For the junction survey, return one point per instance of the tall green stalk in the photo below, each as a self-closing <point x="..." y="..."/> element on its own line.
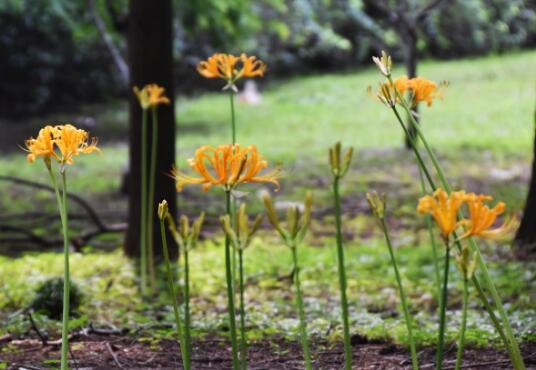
<point x="342" y="276"/>
<point x="299" y="303"/>
<point x="506" y="334"/>
<point x="433" y="243"/>
<point x="461" y="342"/>
<point x="442" y="311"/>
<point x="62" y="207"/>
<point x="66" y="277"/>
<point x="150" y="201"/>
<point x="186" y="361"/>
<point x="243" y="340"/>
<point x="407" y="316"/>
<point x="143" y="221"/>
<point x="230" y="290"/>
<point x="187" y="322"/>
<point x="233" y="202"/>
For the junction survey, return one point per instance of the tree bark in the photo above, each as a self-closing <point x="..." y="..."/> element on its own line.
<point x="525" y="239"/>
<point x="150" y="61"/>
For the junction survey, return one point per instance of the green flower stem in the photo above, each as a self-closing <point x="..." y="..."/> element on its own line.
<point x="66" y="278"/>
<point x="429" y="226"/>
<point x="506" y="333"/>
<point x="299" y="303"/>
<point x="171" y="286"/>
<point x="442" y="312"/>
<point x="62" y="207"/>
<point x="233" y="205"/>
<point x="230" y="293"/>
<point x="461" y="342"/>
<point x="187" y="321"/>
<point x="414" y="147"/>
<point x="233" y="118"/>
<point x="342" y="276"/>
<point x="150" y="201"/>
<point x="243" y="340"/>
<point x="407" y="316"/>
<point x="143" y="221"/>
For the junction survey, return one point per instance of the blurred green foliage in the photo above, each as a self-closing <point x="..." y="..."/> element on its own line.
<point x="52" y="55"/>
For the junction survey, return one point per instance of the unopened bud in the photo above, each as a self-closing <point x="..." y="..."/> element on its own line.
<point x="377" y="204"/>
<point x="384" y="63"/>
<point x="163" y="210"/>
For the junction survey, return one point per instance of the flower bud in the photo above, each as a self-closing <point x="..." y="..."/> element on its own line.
<point x="292" y="220"/>
<point x="196" y="228"/>
<point x="163" y="210"/>
<point x="337" y="168"/>
<point x="225" y="222"/>
<point x="384" y="63"/>
<point x="270" y="211"/>
<point x="377" y="204"/>
<point x="184" y="226"/>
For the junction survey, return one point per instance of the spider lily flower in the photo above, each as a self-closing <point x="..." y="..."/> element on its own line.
<point x="150" y="96"/>
<point x="43" y="145"/>
<point x="443" y="208"/>
<point x="231" y="68"/>
<point x="424" y="90"/>
<point x="482" y="217"/>
<point x="61" y="142"/>
<point x="226" y="166"/>
<point x="72" y="142"/>
<point x="241" y="238"/>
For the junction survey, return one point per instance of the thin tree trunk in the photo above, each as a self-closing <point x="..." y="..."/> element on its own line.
<point x="151" y="61"/>
<point x="119" y="61"/>
<point x="526" y="234"/>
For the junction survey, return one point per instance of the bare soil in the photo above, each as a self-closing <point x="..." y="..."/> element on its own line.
<point x="128" y="352"/>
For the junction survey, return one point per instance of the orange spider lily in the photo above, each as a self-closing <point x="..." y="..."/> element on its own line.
<point x="424" y="90"/>
<point x="219" y="65"/>
<point x="482" y="217"/>
<point x="69" y="141"/>
<point x="151" y="96"/>
<point x="251" y="66"/>
<point x="72" y="142"/>
<point x="43" y="145"/>
<point x="228" y="166"/>
<point x="443" y="208"/>
<point x="231" y="68"/>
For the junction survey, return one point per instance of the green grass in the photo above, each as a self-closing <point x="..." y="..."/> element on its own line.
<point x="110" y="291"/>
<point x="489" y="105"/>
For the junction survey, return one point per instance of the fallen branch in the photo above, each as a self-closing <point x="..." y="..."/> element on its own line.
<point x="114" y="355"/>
<point x="80" y="201"/>
<point x="77" y="240"/>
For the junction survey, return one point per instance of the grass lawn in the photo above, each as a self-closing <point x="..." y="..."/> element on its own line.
<point x="483" y="130"/>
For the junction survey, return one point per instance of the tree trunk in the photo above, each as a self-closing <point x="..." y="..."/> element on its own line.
<point x="150" y="61"/>
<point x="526" y="234"/>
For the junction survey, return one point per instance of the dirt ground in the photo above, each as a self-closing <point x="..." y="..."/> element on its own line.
<point x="128" y="352"/>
